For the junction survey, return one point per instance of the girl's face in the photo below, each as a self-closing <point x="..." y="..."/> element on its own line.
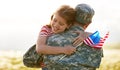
<point x="58" y="24"/>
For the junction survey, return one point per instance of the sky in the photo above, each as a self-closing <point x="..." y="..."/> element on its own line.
<point x="21" y="20"/>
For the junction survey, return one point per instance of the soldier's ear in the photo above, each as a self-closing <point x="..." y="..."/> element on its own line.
<point x="85" y="26"/>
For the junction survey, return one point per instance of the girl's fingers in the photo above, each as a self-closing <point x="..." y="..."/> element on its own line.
<point x="77" y="43"/>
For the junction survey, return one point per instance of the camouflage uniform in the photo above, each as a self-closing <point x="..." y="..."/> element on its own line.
<point x="85" y="58"/>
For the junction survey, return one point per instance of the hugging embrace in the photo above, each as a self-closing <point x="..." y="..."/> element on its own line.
<point x="60" y="37"/>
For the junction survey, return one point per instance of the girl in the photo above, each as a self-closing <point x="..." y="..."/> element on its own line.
<point x="61" y="20"/>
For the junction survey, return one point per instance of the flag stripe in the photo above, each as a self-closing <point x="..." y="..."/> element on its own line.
<point x="88" y="41"/>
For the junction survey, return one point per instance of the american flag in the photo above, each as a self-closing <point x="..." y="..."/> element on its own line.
<point x="95" y="40"/>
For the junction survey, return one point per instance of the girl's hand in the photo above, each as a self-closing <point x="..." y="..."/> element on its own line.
<point x="82" y="36"/>
<point x="68" y="50"/>
<point x="79" y="39"/>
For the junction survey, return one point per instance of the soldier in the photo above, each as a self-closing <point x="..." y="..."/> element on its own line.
<point x="85" y="58"/>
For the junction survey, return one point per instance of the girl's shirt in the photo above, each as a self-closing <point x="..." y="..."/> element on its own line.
<point x="45" y="31"/>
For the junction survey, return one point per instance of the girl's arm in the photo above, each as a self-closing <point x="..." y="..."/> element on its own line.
<point x="42" y="48"/>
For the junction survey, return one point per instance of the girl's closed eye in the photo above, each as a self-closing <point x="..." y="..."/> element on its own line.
<point x="62" y="24"/>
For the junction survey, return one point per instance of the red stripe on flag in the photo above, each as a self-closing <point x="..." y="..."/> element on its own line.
<point x="88" y="41"/>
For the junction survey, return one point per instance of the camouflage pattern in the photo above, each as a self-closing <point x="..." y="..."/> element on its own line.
<point x="31" y="58"/>
<point x="85" y="58"/>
